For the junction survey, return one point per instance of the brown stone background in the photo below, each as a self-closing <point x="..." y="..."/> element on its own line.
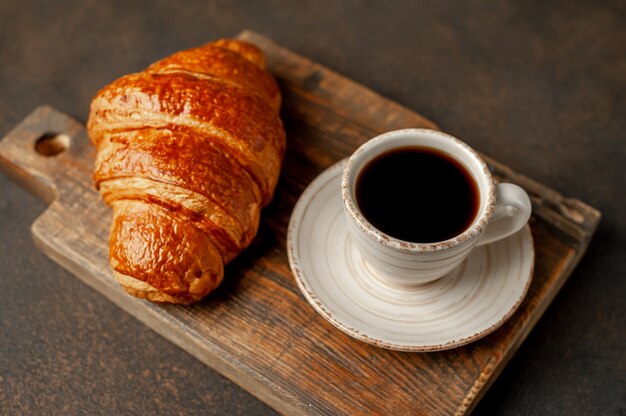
<point x="539" y="85"/>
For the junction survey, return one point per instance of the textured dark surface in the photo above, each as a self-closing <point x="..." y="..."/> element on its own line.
<point x="541" y="87"/>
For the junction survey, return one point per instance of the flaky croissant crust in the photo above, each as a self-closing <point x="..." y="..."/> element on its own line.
<point x="189" y="151"/>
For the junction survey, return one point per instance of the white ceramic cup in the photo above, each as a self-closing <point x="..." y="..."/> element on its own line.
<point x="504" y="209"/>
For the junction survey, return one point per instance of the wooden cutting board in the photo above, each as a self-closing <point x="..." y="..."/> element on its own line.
<point x="257" y="329"/>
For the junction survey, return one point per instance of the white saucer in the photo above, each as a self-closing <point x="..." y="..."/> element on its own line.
<point x="474" y="300"/>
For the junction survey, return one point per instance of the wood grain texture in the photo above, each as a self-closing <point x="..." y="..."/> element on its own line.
<point x="257" y="329"/>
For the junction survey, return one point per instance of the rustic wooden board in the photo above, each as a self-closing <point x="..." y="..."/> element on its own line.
<point x="257" y="329"/>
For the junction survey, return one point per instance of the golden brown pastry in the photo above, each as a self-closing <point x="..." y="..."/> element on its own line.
<point x="189" y="151"/>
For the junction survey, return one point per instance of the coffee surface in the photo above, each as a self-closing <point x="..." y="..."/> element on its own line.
<point x="417" y="194"/>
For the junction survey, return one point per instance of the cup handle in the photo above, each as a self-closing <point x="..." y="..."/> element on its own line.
<point x="510" y="214"/>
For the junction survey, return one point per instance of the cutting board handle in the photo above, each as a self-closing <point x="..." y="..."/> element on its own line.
<point x="45" y="152"/>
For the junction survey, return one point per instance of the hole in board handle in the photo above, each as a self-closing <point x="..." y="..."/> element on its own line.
<point x="51" y="144"/>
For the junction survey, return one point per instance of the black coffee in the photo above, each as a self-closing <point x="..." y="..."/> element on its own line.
<point x="417" y="194"/>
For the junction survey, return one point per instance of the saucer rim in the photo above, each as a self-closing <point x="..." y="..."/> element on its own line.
<point x="318" y="304"/>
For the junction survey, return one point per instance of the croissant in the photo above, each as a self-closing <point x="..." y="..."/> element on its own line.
<point x="188" y="152"/>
